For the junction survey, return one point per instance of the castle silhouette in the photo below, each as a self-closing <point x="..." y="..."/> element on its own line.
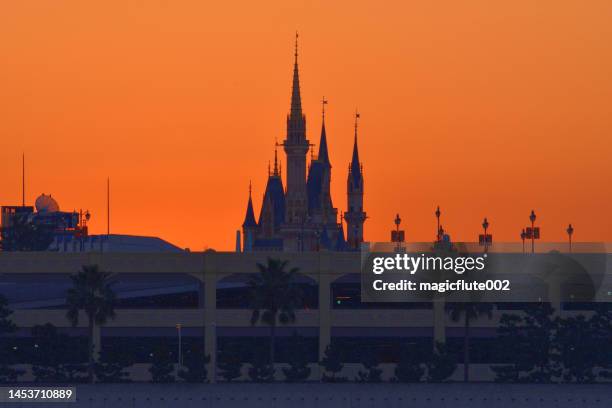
<point x="302" y="216"/>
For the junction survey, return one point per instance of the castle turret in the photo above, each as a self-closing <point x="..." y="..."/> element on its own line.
<point x="249" y="226"/>
<point x="355" y="216"/>
<point x="320" y="205"/>
<point x="272" y="214"/>
<point x="328" y="211"/>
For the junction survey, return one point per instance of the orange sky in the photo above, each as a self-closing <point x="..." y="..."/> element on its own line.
<point x="486" y="108"/>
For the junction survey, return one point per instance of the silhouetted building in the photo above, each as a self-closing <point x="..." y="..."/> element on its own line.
<point x="302" y="217"/>
<point x="45" y="227"/>
<point x="34" y="228"/>
<point x="111" y="243"/>
<point x="11" y="214"/>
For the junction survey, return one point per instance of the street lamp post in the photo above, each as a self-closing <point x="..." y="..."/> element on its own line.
<point x="485" y="225"/>
<point x="523" y="235"/>
<point x="438" y="222"/>
<point x="532" y="218"/>
<point x="570" y="231"/>
<point x="398" y="235"/>
<point x="84" y="218"/>
<point x="180" y="346"/>
<point x="397" y="222"/>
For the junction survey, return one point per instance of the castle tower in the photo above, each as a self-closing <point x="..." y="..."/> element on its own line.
<point x="328" y="210"/>
<point x="320" y="207"/>
<point x="249" y="226"/>
<point x="272" y="213"/>
<point x="300" y="216"/>
<point x="355" y="216"/>
<point x="296" y="147"/>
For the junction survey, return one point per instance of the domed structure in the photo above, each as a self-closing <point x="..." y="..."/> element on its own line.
<point x="46" y="204"/>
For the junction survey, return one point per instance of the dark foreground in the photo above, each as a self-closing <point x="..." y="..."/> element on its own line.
<point x="336" y="396"/>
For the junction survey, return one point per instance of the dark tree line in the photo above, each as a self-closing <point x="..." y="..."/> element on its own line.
<point x="542" y="348"/>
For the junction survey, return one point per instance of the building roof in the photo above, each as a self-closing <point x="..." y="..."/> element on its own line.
<point x="249" y="217"/>
<point x="275" y="196"/>
<point x="314" y="185"/>
<point x="112" y="243"/>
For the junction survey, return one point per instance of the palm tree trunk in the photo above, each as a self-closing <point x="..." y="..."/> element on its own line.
<point x="272" y="341"/>
<point x="90" y="351"/>
<point x="466" y="349"/>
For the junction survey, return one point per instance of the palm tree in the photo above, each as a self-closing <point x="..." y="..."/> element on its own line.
<point x="274" y="296"/>
<point x="469" y="312"/>
<point x="8" y="374"/>
<point x="92" y="293"/>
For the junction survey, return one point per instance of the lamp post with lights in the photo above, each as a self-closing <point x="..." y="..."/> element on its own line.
<point x="532" y="235"/>
<point x="438" y="224"/>
<point x="570" y="232"/>
<point x="485" y="226"/>
<point x="397" y="235"/>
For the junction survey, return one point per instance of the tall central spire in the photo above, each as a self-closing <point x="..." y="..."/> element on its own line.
<point x="296" y="99"/>
<point x="296" y="147"/>
<point x="323" y="154"/>
<point x="276" y="172"/>
<point x="355" y="164"/>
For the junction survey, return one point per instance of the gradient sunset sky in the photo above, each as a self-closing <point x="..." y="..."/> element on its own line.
<point x="485" y="108"/>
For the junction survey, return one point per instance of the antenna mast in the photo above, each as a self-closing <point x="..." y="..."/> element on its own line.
<point x="23" y="179"/>
<point x="108" y="206"/>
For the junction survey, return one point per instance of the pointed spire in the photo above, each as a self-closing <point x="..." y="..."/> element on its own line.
<point x="276" y="173"/>
<point x="323" y="154"/>
<point x="249" y="218"/>
<point x="323" y="103"/>
<point x="296" y="99"/>
<point x="355" y="165"/>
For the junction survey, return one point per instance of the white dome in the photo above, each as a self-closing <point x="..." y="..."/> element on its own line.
<point x="46" y="204"/>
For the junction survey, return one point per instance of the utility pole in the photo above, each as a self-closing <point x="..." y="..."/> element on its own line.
<point x="180" y="345"/>
<point x="438" y="223"/>
<point x="23" y="179"/>
<point x="108" y="206"/>
<point x="570" y="232"/>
